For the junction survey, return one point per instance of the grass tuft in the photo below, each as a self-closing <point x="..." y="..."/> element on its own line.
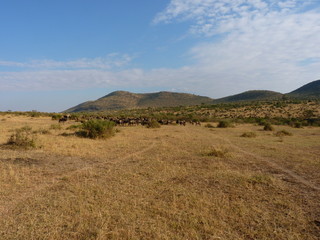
<point x="216" y="151"/>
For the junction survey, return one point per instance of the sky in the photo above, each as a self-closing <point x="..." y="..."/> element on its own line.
<point x="57" y="54"/>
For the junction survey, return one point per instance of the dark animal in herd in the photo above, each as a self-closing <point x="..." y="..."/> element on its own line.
<point x="127" y="121"/>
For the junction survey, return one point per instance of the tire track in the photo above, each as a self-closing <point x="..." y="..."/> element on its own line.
<point x="22" y="196"/>
<point x="274" y="165"/>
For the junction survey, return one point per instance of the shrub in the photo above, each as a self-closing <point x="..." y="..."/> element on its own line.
<point x="283" y="133"/>
<point x="268" y="127"/>
<point x="56" y="116"/>
<point x="22" y="137"/>
<point x="297" y="125"/>
<point x="249" y="135"/>
<point x="261" y="122"/>
<point x="224" y="124"/>
<point x="209" y="125"/>
<point x="97" y="129"/>
<point x="153" y="124"/>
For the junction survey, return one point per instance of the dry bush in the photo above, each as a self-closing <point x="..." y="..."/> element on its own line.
<point x="22" y="137"/>
<point x="224" y="124"/>
<point x="248" y="135"/>
<point x="283" y="133"/>
<point x="268" y="127"/>
<point x="153" y="124"/>
<point x="209" y="125"/>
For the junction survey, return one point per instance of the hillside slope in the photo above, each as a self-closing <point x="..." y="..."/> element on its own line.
<point x="253" y="95"/>
<point x="308" y="91"/>
<point x="127" y="100"/>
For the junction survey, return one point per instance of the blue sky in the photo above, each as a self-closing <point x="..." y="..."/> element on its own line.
<point x="56" y="54"/>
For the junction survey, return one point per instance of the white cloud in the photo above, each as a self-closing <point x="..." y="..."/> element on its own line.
<point x="261" y="43"/>
<point x="211" y="17"/>
<point x="270" y="45"/>
<point x="112" y="60"/>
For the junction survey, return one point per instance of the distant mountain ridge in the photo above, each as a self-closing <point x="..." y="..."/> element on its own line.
<point x="126" y="100"/>
<point x="253" y="95"/>
<point x="308" y="91"/>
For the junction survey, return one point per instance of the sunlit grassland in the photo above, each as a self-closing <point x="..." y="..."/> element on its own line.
<point x="160" y="183"/>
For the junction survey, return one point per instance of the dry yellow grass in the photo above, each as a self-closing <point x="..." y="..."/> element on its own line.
<point x="158" y="184"/>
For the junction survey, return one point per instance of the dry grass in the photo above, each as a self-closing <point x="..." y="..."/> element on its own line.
<point x="153" y="184"/>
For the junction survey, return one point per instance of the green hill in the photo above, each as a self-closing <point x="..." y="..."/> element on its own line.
<point x="308" y="91"/>
<point x="253" y="95"/>
<point x="127" y="100"/>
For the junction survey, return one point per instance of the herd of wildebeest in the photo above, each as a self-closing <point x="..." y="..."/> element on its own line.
<point x="127" y="121"/>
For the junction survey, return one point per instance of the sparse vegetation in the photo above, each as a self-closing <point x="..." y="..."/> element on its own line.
<point x="22" y="137"/>
<point x="181" y="182"/>
<point x="215" y="151"/>
<point x="42" y="131"/>
<point x="55" y="127"/>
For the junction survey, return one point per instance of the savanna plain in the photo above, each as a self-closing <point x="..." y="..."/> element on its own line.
<point x="173" y="182"/>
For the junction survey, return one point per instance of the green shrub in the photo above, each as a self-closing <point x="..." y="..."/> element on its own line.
<point x="97" y="129"/>
<point x="56" y="116"/>
<point x="261" y="122"/>
<point x="249" y="135"/>
<point x="153" y="124"/>
<point x="22" y="137"/>
<point x="209" y="125"/>
<point x="268" y="127"/>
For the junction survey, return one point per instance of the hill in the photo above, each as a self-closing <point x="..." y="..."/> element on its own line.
<point x="127" y="100"/>
<point x="308" y="91"/>
<point x="253" y="95"/>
